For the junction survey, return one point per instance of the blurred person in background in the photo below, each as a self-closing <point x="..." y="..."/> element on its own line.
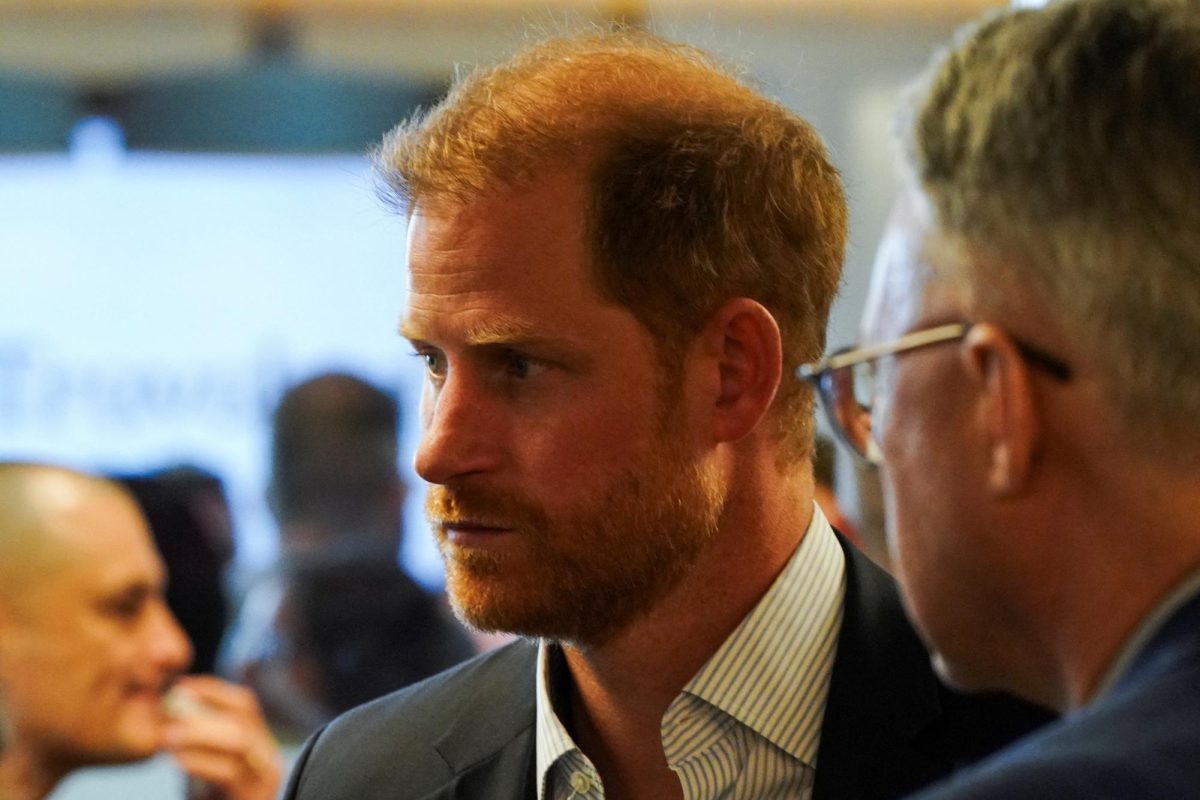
<point x="334" y="483"/>
<point x="90" y="656"/>
<point x="348" y="630"/>
<point x="190" y="520"/>
<point x="825" y="486"/>
<point x="618" y="254"/>
<point x="337" y="621"/>
<point x="1029" y="381"/>
<point x="860" y="496"/>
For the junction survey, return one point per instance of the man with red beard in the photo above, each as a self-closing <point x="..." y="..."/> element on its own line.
<point x="619" y="254"/>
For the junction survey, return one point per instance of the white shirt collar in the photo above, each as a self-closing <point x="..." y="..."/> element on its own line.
<point x="771" y="674"/>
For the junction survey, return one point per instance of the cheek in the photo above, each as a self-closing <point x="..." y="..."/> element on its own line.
<point x="42" y="656"/>
<point x="106" y="656"/>
<point x="571" y="453"/>
<point x="57" y="681"/>
<point x="921" y="431"/>
<point x="907" y="519"/>
<point x="920" y="486"/>
<point x="903" y="425"/>
<point x="560" y="466"/>
<point x="427" y="401"/>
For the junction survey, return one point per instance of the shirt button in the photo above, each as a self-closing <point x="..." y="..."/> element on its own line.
<point x="580" y="782"/>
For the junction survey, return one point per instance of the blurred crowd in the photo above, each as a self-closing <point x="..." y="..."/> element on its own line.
<point x="333" y="622"/>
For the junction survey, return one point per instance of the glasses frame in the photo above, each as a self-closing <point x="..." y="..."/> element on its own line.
<point x="819" y="373"/>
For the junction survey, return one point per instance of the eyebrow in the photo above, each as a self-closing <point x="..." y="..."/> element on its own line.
<point x="497" y="331"/>
<point x="138" y="589"/>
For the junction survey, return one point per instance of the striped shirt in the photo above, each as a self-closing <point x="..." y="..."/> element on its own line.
<point x="748" y="724"/>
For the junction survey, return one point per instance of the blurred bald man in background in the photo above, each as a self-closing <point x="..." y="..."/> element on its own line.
<point x="89" y="650"/>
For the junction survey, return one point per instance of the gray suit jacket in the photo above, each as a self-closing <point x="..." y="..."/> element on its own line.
<point x="889" y="726"/>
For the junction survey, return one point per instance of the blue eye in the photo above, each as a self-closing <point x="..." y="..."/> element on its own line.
<point x="435" y="364"/>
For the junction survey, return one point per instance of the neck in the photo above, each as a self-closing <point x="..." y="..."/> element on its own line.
<point x="23" y="777"/>
<point x="1091" y="648"/>
<point x="622" y="687"/>
<point x="1118" y="560"/>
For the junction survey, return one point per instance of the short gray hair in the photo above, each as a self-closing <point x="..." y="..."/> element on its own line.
<point x="1064" y="144"/>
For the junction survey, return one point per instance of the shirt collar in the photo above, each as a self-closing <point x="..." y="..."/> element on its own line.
<point x="771" y="674"/>
<point x="553" y="740"/>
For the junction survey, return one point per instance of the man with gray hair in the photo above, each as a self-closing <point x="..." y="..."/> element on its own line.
<point x="1030" y="384"/>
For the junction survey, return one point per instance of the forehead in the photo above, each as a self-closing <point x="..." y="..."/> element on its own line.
<point x="105" y="546"/>
<point x="513" y="256"/>
<point x="908" y="285"/>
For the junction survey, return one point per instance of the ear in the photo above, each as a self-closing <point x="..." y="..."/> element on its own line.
<point x="743" y="342"/>
<point x="1008" y="414"/>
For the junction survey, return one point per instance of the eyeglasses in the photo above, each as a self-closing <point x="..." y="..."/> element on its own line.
<point x="847" y="380"/>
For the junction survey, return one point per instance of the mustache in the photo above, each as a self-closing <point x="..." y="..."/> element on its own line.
<point x="487" y="507"/>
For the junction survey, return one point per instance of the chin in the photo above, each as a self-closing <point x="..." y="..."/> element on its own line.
<point x="140" y="736"/>
<point x="135" y="748"/>
<point x="122" y="750"/>
<point x="502" y="607"/>
<point x="494" y="608"/>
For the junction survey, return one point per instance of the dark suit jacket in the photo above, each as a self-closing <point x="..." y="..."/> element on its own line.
<point x="889" y="726"/>
<point x="1139" y="742"/>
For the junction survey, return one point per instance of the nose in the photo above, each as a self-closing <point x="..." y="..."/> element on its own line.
<point x="461" y="430"/>
<point x="170" y="650"/>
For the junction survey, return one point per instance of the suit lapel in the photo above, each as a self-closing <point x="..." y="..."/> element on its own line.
<point x="882" y="694"/>
<point x="887" y="728"/>
<point x="507" y="773"/>
<point x="489" y="747"/>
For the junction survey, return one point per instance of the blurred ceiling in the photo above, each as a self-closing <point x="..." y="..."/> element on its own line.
<point x="113" y="40"/>
<point x="324" y="75"/>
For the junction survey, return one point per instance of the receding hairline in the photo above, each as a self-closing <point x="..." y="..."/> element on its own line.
<point x="30" y="495"/>
<point x="628" y="74"/>
<point x="699" y="184"/>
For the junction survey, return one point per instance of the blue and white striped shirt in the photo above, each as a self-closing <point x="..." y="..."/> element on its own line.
<point x="748" y="724"/>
